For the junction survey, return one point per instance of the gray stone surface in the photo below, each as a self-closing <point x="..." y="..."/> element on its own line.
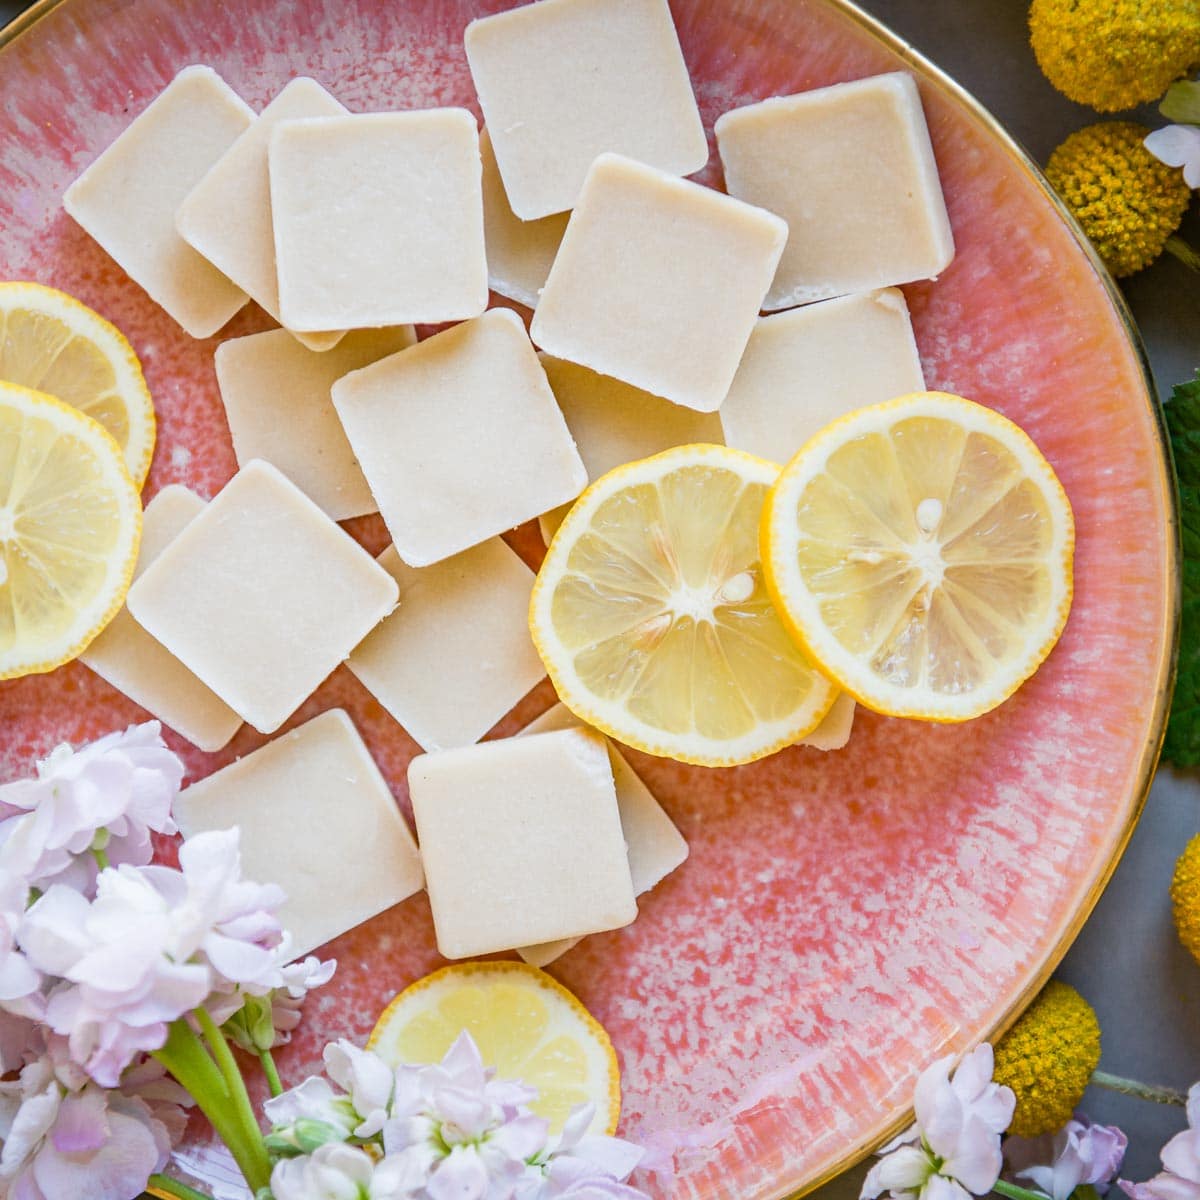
<point x="1144" y="987"/>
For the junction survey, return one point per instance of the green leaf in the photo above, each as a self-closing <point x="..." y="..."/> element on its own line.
<point x="1182" y="412"/>
<point x="1182" y="102"/>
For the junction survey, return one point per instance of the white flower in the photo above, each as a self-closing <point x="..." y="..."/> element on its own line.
<point x="64" y="1138"/>
<point x="582" y="1166"/>
<point x="953" y="1149"/>
<point x="150" y="947"/>
<point x="109" y="795"/>
<point x="1178" y="146"/>
<point x="1080" y="1153"/>
<point x="1180" y="1180"/>
<point x="332" y="1172"/>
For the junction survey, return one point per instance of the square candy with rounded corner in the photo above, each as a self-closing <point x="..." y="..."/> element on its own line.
<point x="227" y="215"/>
<point x="653" y="844"/>
<point x="658" y="282"/>
<point x="459" y="437"/>
<point x="277" y="400"/>
<point x="317" y="819"/>
<point x="262" y="596"/>
<point x="519" y="253"/>
<point x="456" y="654"/>
<point x="806" y="367"/>
<point x="127" y="657"/>
<point x="378" y="219"/>
<point x="521" y="840"/>
<point x="128" y="197"/>
<point x="562" y="81"/>
<point x="851" y="169"/>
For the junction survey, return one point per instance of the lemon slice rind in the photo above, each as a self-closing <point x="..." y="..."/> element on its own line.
<point x="429" y="999"/>
<point x="57" y="421"/>
<point x="77" y="321"/>
<point x="612" y="717"/>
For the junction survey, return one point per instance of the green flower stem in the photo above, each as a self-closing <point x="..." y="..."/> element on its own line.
<point x="1182" y="251"/>
<point x="188" y="1062"/>
<point x="1003" y="1188"/>
<point x="270" y="1071"/>
<point x="1131" y="1087"/>
<point x="240" y="1099"/>
<point x="101" y="858"/>
<point x="172" y="1187"/>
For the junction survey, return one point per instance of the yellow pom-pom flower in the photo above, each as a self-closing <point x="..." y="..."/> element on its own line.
<point x="1128" y="202"/>
<point x="1114" y="54"/>
<point x="1047" y="1058"/>
<point x="1185" y="897"/>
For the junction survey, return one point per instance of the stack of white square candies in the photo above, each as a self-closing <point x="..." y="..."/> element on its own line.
<point x="351" y="228"/>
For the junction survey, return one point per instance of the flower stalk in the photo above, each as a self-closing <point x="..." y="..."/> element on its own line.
<point x="267" y="1062"/>
<point x="228" y="1109"/>
<point x="1015" y="1192"/>
<point x="1144" y="1091"/>
<point x="173" y="1187"/>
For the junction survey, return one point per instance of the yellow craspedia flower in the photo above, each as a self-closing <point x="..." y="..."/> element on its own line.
<point x="1185" y="897"/>
<point x="1047" y="1058"/>
<point x="1114" y="54"/>
<point x="1127" y="201"/>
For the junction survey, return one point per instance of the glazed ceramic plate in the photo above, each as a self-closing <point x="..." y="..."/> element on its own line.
<point x="844" y="918"/>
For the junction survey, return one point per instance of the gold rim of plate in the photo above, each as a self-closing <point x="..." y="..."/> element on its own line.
<point x="1152" y="747"/>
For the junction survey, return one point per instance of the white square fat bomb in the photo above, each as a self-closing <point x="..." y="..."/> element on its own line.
<point x="378" y="219"/>
<point x="456" y="654"/>
<point x="127" y="198"/>
<point x="563" y="81"/>
<point x="126" y="656"/>
<point x="807" y="367"/>
<point x="519" y="253"/>
<point x="613" y="423"/>
<point x="262" y="596"/>
<point x="227" y="215"/>
<point x="459" y="437"/>
<point x="318" y="820"/>
<point x="658" y="282"/>
<point x="851" y="170"/>
<point x="654" y="846"/>
<point x="521" y="841"/>
<point x="277" y="400"/>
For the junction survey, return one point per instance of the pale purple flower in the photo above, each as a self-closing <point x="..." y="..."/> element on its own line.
<point x="64" y="1138"/>
<point x="1178" y="146"/>
<point x="448" y="1131"/>
<point x="1180" y="1179"/>
<point x="258" y="1023"/>
<point x="953" y="1149"/>
<point x="20" y="981"/>
<point x="578" y="1165"/>
<point x="1080" y="1153"/>
<point x="108" y="795"/>
<point x="150" y="947"/>
<point x="471" y="1133"/>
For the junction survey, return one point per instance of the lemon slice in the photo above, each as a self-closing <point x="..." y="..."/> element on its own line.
<point x="51" y="342"/>
<point x="70" y="523"/>
<point x="653" y="621"/>
<point x="526" y="1025"/>
<point x="920" y="551"/>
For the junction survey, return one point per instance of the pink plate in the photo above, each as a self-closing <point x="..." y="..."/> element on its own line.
<point x="844" y="918"/>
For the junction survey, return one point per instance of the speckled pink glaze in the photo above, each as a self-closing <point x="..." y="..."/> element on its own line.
<point x="843" y="918"/>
